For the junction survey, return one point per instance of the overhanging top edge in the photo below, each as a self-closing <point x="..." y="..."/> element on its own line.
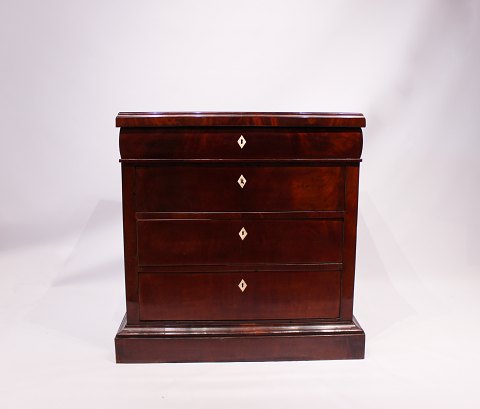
<point x="267" y="119"/>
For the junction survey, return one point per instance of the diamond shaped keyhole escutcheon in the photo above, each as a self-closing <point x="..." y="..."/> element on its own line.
<point x="242" y="285"/>
<point x="243" y="233"/>
<point x="241" y="141"/>
<point x="242" y="181"/>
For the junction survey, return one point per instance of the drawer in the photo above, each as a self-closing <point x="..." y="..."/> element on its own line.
<point x="240" y="143"/>
<point x="217" y="188"/>
<point x="214" y="241"/>
<point x="219" y="296"/>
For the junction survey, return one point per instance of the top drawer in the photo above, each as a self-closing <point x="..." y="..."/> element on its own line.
<point x="240" y="143"/>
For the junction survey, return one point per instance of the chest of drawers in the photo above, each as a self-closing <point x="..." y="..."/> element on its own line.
<point x="239" y="236"/>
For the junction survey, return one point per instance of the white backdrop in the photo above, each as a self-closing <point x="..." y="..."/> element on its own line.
<point x="67" y="68"/>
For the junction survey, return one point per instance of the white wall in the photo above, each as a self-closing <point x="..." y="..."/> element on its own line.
<point x="412" y="67"/>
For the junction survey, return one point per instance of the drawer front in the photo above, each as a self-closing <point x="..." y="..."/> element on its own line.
<point x="214" y="242"/>
<point x="218" y="143"/>
<point x="238" y="188"/>
<point x="219" y="296"/>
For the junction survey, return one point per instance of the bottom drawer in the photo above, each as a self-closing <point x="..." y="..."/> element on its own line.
<point x="219" y="296"/>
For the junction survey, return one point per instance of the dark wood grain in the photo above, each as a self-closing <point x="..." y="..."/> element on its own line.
<point x="183" y="209"/>
<point x="225" y="268"/>
<point x="291" y="215"/>
<point x="296" y="340"/>
<point x="255" y="119"/>
<point x="130" y="242"/>
<point x="215" y="188"/>
<point x="216" y="296"/>
<point x="350" y="240"/>
<point x="260" y="143"/>
<point x="196" y="241"/>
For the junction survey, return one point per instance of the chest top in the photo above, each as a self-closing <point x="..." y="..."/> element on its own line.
<point x="240" y="136"/>
<point x="268" y="119"/>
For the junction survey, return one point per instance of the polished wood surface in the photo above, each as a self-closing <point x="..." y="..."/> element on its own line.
<point x="210" y="241"/>
<point x="222" y="143"/>
<point x="215" y="188"/>
<point x="183" y="209"/>
<point x="256" y="119"/>
<point x="217" y="296"/>
<point x="240" y="341"/>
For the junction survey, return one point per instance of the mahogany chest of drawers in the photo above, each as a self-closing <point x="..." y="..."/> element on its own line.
<point x="239" y="236"/>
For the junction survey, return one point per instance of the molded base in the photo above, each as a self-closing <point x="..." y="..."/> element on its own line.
<point x="234" y="341"/>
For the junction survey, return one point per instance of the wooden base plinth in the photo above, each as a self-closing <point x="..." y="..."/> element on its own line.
<point x="233" y="341"/>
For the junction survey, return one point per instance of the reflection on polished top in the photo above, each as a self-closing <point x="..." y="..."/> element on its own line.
<point x="273" y="119"/>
